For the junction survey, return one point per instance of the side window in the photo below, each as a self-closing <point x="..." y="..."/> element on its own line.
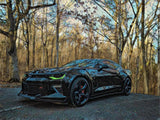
<point x="96" y="65"/>
<point x="101" y="65"/>
<point x="110" y="65"/>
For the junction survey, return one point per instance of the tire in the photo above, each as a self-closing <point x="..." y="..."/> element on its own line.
<point x="127" y="87"/>
<point x="80" y="91"/>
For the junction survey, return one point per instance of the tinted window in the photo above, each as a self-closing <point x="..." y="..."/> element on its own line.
<point x="111" y="64"/>
<point x="80" y="63"/>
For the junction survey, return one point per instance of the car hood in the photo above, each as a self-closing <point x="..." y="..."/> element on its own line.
<point x="51" y="73"/>
<point x="44" y="74"/>
<point x="46" y="71"/>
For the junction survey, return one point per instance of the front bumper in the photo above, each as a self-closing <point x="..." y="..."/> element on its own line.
<point x="55" y="97"/>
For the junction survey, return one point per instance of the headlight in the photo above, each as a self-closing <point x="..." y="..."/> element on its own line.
<point x="25" y="75"/>
<point x="57" y="78"/>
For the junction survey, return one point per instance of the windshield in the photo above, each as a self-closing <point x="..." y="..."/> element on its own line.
<point x="79" y="63"/>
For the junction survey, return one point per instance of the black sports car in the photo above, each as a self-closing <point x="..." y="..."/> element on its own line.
<point x="76" y="82"/>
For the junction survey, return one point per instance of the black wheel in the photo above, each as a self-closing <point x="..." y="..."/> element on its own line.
<point x="80" y="91"/>
<point x="127" y="87"/>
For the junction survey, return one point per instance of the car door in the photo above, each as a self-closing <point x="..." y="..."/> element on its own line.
<point x="106" y="79"/>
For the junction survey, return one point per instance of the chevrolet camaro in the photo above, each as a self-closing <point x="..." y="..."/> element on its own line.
<point x="76" y="82"/>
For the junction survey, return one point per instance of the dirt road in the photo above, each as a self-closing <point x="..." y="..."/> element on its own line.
<point x="117" y="107"/>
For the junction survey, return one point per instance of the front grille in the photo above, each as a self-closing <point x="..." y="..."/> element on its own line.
<point x="35" y="88"/>
<point x="59" y="89"/>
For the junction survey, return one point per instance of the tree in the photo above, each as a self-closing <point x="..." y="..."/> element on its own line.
<point x="57" y="33"/>
<point x="158" y="83"/>
<point x="14" y="15"/>
<point x="143" y="49"/>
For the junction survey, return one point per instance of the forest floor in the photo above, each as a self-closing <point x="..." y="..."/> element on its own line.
<point x="117" y="107"/>
<point x="6" y="84"/>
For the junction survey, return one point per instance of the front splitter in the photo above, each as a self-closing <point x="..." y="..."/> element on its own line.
<point x="55" y="97"/>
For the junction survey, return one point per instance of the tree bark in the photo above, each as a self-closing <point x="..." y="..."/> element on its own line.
<point x="52" y="58"/>
<point x="7" y="63"/>
<point x="13" y="50"/>
<point x="116" y="41"/>
<point x="15" y="70"/>
<point x="46" y="62"/>
<point x="143" y="50"/>
<point x="137" y="60"/>
<point x="43" y="41"/>
<point x="151" y="69"/>
<point x="27" y="32"/>
<point x="26" y="36"/>
<point x="57" y="34"/>
<point x="33" y="40"/>
<point x="158" y="81"/>
<point x="33" y="49"/>
<point x="75" y="49"/>
<point x="120" y="41"/>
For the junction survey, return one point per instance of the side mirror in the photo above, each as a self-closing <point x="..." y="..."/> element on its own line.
<point x="101" y="67"/>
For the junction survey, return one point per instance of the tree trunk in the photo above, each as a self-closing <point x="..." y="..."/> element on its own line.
<point x="151" y="68"/>
<point x="119" y="25"/>
<point x="13" y="50"/>
<point x="52" y="52"/>
<point x="46" y="50"/>
<point x="27" y="32"/>
<point x="33" y="49"/>
<point x="158" y="81"/>
<point x="7" y="64"/>
<point x="75" y="49"/>
<point x="57" y="33"/>
<point x="26" y="36"/>
<point x="137" y="60"/>
<point x="47" y="61"/>
<point x="33" y="38"/>
<point x="15" y="70"/>
<point x="116" y="42"/>
<point x="143" y="50"/>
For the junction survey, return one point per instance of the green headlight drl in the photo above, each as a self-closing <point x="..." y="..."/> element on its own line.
<point x="57" y="78"/>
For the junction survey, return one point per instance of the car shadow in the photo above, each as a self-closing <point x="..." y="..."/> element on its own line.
<point x="43" y="104"/>
<point x="108" y="97"/>
<point x="47" y="105"/>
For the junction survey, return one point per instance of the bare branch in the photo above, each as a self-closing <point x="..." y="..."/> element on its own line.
<point x="150" y="27"/>
<point x="4" y="32"/>
<point x="42" y="6"/>
<point x="106" y="11"/>
<point x="154" y="36"/>
<point x="3" y="4"/>
<point x="107" y="38"/>
<point x="22" y="15"/>
<point x="132" y="7"/>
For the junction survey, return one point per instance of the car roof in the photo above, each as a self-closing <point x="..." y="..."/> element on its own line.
<point x="94" y="60"/>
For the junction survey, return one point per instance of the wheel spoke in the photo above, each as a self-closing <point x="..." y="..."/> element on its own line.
<point x="76" y="92"/>
<point x="129" y="87"/>
<point x="84" y="87"/>
<point x="81" y="92"/>
<point x="126" y="87"/>
<point x="128" y="82"/>
<point x="84" y="95"/>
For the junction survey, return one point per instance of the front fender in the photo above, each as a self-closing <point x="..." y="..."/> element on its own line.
<point x="72" y="76"/>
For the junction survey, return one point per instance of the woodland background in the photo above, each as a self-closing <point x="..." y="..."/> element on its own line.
<point x="49" y="33"/>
